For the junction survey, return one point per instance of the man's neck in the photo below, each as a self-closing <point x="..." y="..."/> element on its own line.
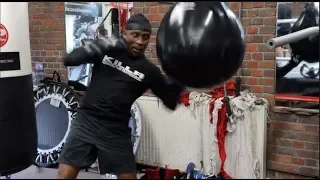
<point x="129" y="55"/>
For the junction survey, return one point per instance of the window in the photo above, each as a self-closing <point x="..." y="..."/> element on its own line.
<point x="297" y="82"/>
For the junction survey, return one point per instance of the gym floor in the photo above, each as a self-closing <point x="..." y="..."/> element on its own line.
<point x="34" y="172"/>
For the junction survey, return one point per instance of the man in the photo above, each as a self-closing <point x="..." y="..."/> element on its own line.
<point x="85" y="29"/>
<point x="120" y="75"/>
<point x="103" y="31"/>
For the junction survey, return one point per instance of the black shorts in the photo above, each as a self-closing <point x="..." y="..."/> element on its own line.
<point x="90" y="139"/>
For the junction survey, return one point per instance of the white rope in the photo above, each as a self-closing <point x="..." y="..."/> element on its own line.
<point x="196" y="99"/>
<point x="243" y="107"/>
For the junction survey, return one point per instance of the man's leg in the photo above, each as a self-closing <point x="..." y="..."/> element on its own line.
<point x="115" y="153"/>
<point x="67" y="171"/>
<point x="127" y="176"/>
<point x="79" y="150"/>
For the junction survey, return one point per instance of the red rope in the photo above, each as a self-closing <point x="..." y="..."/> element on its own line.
<point x="222" y="122"/>
<point x="217" y="93"/>
<point x="184" y="98"/>
<point x="221" y="135"/>
<point x="123" y="18"/>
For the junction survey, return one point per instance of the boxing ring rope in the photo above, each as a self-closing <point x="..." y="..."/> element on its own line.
<point x="285" y="2"/>
<point x="283" y="58"/>
<point x="280" y="21"/>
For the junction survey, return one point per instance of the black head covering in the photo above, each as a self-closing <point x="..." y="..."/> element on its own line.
<point x="138" y="22"/>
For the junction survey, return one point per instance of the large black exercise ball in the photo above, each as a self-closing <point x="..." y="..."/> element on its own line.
<point x="200" y="44"/>
<point x="307" y="49"/>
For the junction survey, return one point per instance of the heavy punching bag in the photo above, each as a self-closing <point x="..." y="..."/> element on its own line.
<point x="200" y="44"/>
<point x="307" y="49"/>
<point x="18" y="130"/>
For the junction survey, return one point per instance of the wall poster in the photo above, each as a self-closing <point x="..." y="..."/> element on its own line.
<point x="82" y="21"/>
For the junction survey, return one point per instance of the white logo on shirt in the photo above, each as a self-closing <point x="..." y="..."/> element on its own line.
<point x="110" y="61"/>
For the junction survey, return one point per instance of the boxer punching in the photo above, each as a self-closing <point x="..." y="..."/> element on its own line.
<point x="120" y="75"/>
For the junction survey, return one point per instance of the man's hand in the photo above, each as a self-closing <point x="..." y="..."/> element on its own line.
<point x="168" y="90"/>
<point x="93" y="53"/>
<point x="104" y="45"/>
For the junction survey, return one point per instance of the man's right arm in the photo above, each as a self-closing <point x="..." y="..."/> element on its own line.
<point x="166" y="89"/>
<point x="93" y="53"/>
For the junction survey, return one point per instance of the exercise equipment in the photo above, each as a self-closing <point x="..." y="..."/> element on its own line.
<point x="135" y="123"/>
<point x="200" y="44"/>
<point x="18" y="130"/>
<point x="56" y="105"/>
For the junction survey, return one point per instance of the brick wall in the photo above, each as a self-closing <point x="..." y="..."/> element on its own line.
<point x="154" y="11"/>
<point x="293" y="143"/>
<point x="293" y="139"/>
<point x="47" y="36"/>
<point x="258" y="69"/>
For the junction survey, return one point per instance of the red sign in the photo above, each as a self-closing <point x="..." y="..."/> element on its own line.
<point x="4" y="35"/>
<point x="121" y="5"/>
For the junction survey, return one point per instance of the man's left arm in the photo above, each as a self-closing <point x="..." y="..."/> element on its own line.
<point x="167" y="90"/>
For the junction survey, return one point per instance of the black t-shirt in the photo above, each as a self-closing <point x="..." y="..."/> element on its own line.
<point x="118" y="81"/>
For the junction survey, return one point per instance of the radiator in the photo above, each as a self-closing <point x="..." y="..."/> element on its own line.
<point x="176" y="138"/>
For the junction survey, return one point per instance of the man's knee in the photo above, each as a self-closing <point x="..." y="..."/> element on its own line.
<point x="127" y="176"/>
<point x="67" y="172"/>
